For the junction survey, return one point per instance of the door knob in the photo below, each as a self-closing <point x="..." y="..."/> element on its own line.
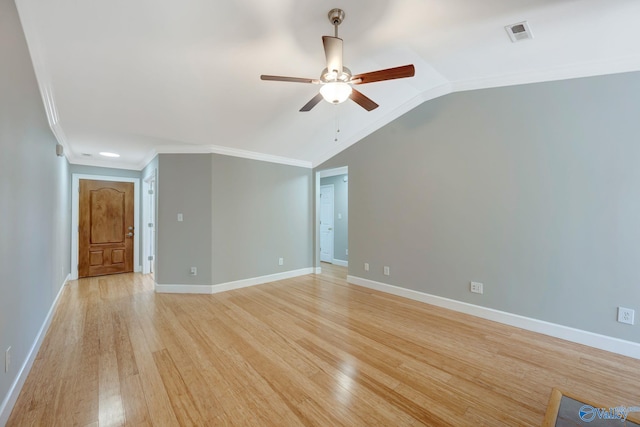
<point x="130" y="234"/>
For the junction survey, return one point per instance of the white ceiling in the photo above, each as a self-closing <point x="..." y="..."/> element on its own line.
<point x="146" y="77"/>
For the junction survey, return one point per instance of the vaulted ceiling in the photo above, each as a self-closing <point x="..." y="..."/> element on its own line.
<point x="146" y="77"/>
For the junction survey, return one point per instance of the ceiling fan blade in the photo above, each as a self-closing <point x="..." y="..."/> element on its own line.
<point x="388" y="74"/>
<point x="288" y="79"/>
<point x="362" y="100"/>
<point x="314" y="101"/>
<point x="333" y="52"/>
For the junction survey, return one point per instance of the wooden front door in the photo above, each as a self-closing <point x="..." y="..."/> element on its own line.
<point x="105" y="235"/>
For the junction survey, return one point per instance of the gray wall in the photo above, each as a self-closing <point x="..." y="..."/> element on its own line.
<point x="184" y="186"/>
<point x="532" y="190"/>
<point x="240" y="216"/>
<point x="340" y="207"/>
<point x="261" y="212"/>
<point x="34" y="203"/>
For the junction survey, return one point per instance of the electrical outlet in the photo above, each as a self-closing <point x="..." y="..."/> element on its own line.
<point x="280" y="261"/>
<point x="476" y="287"/>
<point x="346" y="251"/>
<point x="193" y="271"/>
<point x="366" y="266"/>
<point x="7" y="359"/>
<point x="626" y="315"/>
<point x="385" y="269"/>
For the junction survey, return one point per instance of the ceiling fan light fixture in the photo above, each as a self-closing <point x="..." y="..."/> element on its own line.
<point x="335" y="92"/>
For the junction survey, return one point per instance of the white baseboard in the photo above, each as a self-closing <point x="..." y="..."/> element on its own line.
<point x="603" y="342"/>
<point x="222" y="287"/>
<point x="14" y="391"/>
<point x="318" y="270"/>
<point x="340" y="262"/>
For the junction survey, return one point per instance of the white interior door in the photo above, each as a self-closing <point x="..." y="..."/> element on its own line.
<point x="326" y="223"/>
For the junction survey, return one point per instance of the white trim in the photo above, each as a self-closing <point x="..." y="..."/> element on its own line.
<point x="260" y="156"/>
<point x="318" y="270"/>
<point x="75" y="203"/>
<point x="603" y="342"/>
<point x="238" y="284"/>
<point x="14" y="391"/>
<point x="146" y="235"/>
<point x="340" y="262"/>
<point x="576" y="70"/>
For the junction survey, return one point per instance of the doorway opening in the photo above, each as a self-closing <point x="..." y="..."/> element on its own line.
<point x="332" y="217"/>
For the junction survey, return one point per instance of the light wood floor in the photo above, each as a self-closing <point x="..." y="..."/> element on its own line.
<point x="305" y="351"/>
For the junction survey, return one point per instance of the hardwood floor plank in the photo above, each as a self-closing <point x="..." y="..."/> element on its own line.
<point x="156" y="399"/>
<point x="311" y="350"/>
<point x="110" y="408"/>
<point x="181" y="399"/>
<point x="135" y="406"/>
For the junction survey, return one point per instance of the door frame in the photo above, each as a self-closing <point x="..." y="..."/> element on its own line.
<point x="344" y="170"/>
<point x="146" y="235"/>
<point x="75" y="217"/>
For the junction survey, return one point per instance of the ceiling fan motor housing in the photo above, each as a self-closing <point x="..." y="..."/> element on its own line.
<point x="336" y="16"/>
<point x="330" y="76"/>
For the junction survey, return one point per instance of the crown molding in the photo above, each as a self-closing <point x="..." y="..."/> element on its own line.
<point x="26" y="9"/>
<point x="254" y="155"/>
<point x="227" y="151"/>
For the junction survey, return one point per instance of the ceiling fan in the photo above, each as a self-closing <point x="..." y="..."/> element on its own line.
<point x="336" y="80"/>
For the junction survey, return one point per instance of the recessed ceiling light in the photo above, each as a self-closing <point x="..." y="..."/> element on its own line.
<point x="107" y="154"/>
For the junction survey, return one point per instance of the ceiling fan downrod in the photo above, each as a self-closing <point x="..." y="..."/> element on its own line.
<point x="336" y="16"/>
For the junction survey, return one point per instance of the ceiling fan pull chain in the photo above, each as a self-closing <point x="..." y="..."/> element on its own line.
<point x="337" y="125"/>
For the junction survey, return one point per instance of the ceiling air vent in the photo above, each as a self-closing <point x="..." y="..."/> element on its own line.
<point x="518" y="32"/>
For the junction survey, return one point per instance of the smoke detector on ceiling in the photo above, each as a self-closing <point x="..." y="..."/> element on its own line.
<point x="520" y="31"/>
